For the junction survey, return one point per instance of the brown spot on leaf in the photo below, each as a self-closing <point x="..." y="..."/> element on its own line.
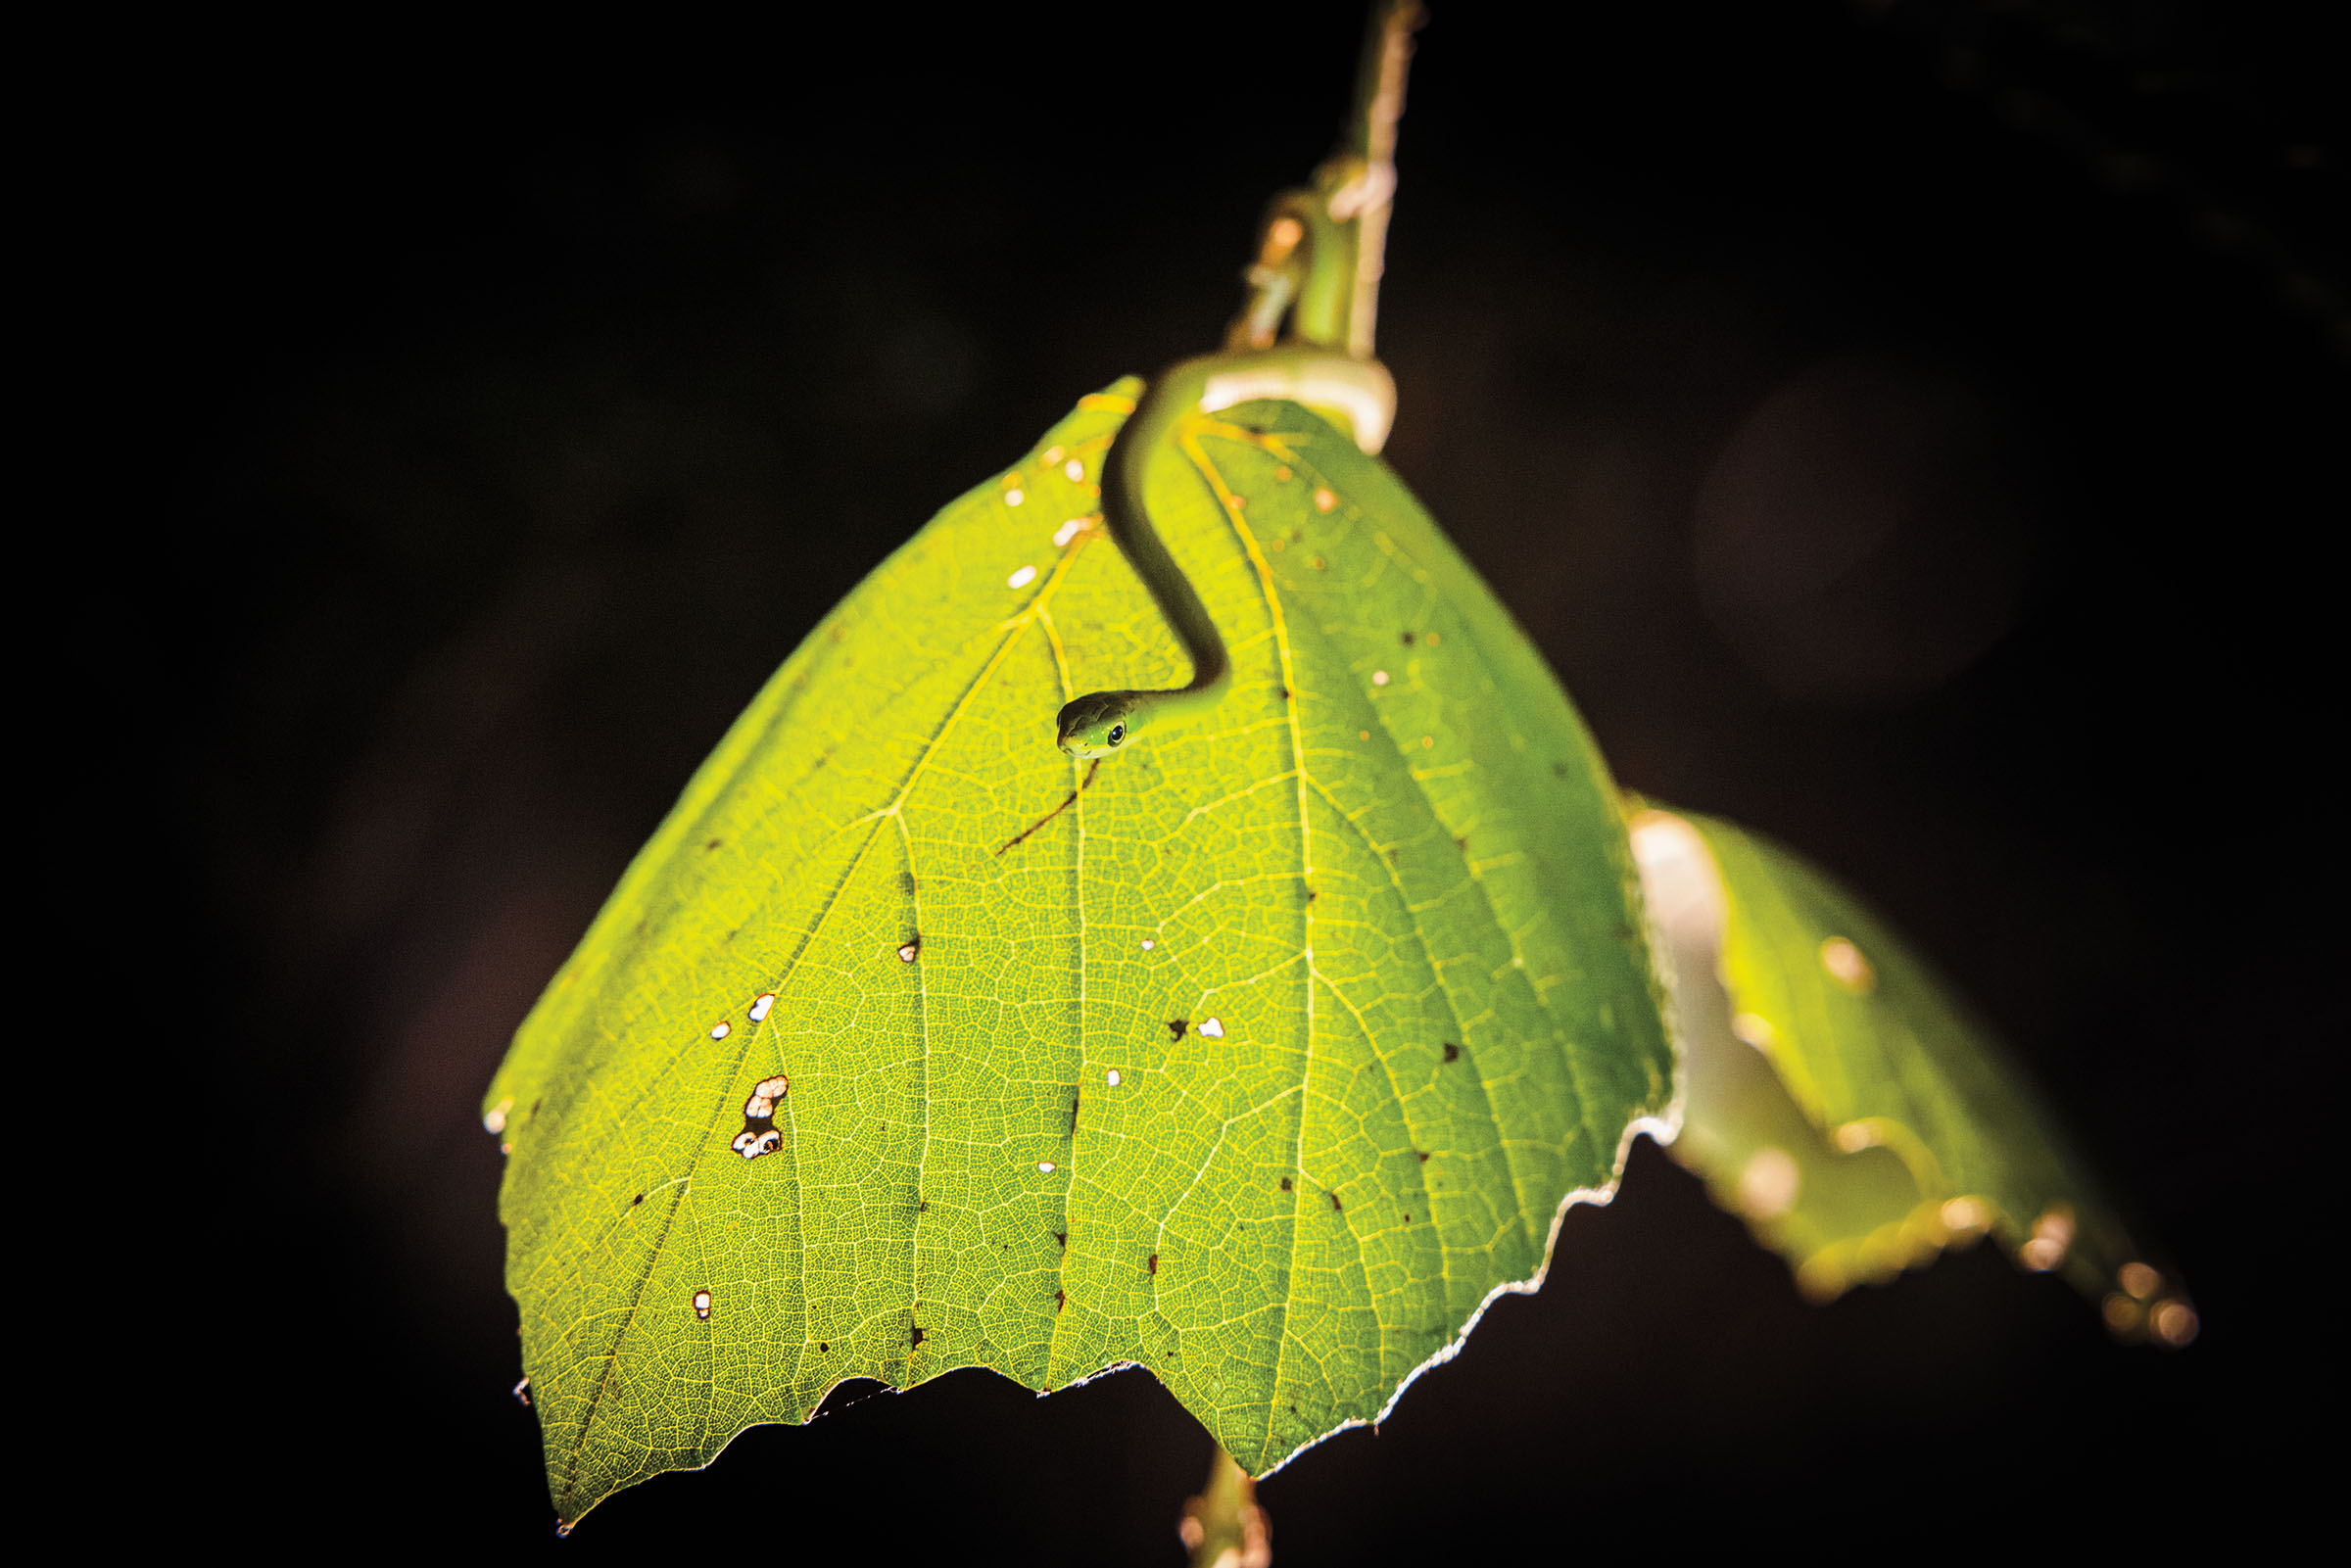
<point x="918" y="1334"/>
<point x="714" y="844"/>
<point x="1061" y="1237"/>
<point x="1285" y="1184"/>
<point x="906" y="884"/>
<point x="1424" y="1153"/>
<point x="634" y="1202"/>
<point x="1177" y="1026"/>
<point x="1060" y="1300"/>
<point x="1335" y="1205"/>
<point x="1452" y="1052"/>
<point x="1408" y="640"/>
<point x="1151" y="1264"/>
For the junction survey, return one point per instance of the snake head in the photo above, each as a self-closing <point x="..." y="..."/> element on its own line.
<point x="1097" y="724"/>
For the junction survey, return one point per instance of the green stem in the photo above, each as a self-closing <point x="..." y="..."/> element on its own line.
<point x="1372" y="138"/>
<point x="1223" y="1526"/>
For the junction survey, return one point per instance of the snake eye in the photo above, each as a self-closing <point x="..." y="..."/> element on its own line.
<point x="1118" y="732"/>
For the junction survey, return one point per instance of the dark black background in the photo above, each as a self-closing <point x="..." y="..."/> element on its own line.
<point x="511" y="408"/>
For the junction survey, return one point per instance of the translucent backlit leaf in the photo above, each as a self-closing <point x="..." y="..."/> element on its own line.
<point x="1844" y="1101"/>
<point x="1261" y="1056"/>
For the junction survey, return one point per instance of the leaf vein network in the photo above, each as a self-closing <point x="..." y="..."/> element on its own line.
<point x="1247" y="540"/>
<point x="1436" y="972"/>
<point x="1395" y="553"/>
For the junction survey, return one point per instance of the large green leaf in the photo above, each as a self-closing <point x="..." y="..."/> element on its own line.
<point x="1844" y="1100"/>
<point x="1261" y="1057"/>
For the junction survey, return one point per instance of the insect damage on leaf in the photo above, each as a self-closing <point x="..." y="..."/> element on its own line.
<point x="759" y="1135"/>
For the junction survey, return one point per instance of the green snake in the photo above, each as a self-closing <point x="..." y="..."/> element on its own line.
<point x="1311" y="269"/>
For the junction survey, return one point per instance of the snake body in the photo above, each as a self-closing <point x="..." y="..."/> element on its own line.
<point x="1358" y="393"/>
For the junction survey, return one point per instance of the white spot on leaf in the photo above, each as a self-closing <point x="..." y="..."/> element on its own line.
<point x="1214" y="1028"/>
<point x="1045" y="1165"/>
<point x="1111" y="1078"/>
<point x="721" y="1030"/>
<point x="1770" y="1183"/>
<point x="1071" y="529"/>
<point x="2052" y="1234"/>
<point x="701" y="1304"/>
<point x="1379" y="677"/>
<point x="764" y="1095"/>
<point x="1022" y="578"/>
<point x="2174" y="1323"/>
<point x="1964" y="1216"/>
<point x="759" y="1007"/>
<point x="1848" y="965"/>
